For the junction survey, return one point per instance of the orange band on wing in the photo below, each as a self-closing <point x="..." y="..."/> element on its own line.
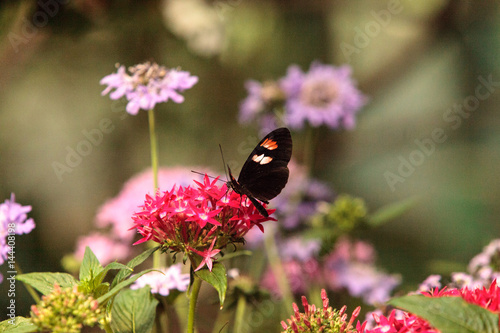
<point x="269" y="144"/>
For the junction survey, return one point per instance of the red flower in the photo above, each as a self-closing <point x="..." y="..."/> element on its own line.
<point x="486" y="298"/>
<point x="401" y="321"/>
<point x="197" y="220"/>
<point x="398" y="321"/>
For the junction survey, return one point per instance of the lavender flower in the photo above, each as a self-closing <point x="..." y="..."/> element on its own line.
<point x="482" y="269"/>
<point x="262" y="102"/>
<point x="432" y="281"/>
<point x="147" y="85"/>
<point x="300" y="249"/>
<point x="461" y="280"/>
<point x="162" y="282"/>
<point x="352" y="267"/>
<point x="326" y="95"/>
<point x="13" y="221"/>
<point x="490" y="257"/>
<point x="299" y="199"/>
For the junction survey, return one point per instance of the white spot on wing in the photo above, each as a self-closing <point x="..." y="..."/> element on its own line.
<point x="261" y="159"/>
<point x="266" y="160"/>
<point x="257" y="158"/>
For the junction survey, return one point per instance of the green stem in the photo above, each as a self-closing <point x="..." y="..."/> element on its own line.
<point x="240" y="314"/>
<point x="195" y="290"/>
<point x="309" y="148"/>
<point x="278" y="272"/>
<point x="107" y="328"/>
<point x="154" y="147"/>
<point x="157" y="260"/>
<point x="30" y="289"/>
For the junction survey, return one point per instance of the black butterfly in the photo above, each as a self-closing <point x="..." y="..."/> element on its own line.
<point x="265" y="172"/>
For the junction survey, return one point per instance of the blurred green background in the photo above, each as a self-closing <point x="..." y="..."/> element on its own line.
<point x="416" y="60"/>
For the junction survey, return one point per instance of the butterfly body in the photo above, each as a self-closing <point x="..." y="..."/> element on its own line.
<point x="265" y="172"/>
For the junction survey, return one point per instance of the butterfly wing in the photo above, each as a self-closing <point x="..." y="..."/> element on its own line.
<point x="265" y="172"/>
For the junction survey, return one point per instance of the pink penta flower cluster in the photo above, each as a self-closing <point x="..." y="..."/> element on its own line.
<point x="197" y="221"/>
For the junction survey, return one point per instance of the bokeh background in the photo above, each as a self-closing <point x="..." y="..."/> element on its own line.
<point x="416" y="60"/>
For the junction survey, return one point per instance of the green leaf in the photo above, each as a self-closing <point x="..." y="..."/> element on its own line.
<point x="449" y="314"/>
<point x="392" y="211"/>
<point x="134" y="311"/>
<point x="17" y="325"/>
<point x="122" y="275"/>
<point x="44" y="282"/>
<point x="90" y="267"/>
<point x="115" y="265"/>
<point x="217" y="278"/>
<point x="116" y="289"/>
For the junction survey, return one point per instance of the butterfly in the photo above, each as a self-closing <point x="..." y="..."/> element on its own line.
<point x="265" y="172"/>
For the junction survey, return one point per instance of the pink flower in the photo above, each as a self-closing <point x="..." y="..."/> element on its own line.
<point x="196" y="220"/>
<point x="207" y="256"/>
<point x="106" y="249"/>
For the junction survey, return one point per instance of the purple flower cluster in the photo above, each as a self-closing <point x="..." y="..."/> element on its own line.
<point x="430" y="283"/>
<point x="351" y="266"/>
<point x="483" y="269"/>
<point x="13" y="221"/>
<point x="147" y="84"/>
<point x="299" y="199"/>
<point x="325" y="95"/>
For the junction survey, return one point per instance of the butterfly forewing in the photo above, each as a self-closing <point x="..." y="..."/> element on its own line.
<point x="265" y="172"/>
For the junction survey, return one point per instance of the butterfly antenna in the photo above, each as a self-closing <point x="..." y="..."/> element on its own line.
<point x="223" y="161"/>
<point x="203" y="174"/>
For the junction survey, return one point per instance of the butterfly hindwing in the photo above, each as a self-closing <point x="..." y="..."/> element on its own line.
<point x="268" y="185"/>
